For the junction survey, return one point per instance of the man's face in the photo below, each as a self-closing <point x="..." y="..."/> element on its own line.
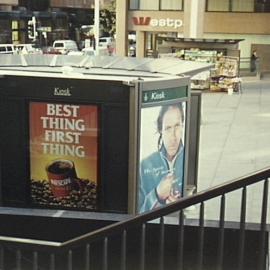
<point x="172" y="131"/>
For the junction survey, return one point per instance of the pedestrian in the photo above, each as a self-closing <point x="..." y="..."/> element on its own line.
<point x="253" y="61"/>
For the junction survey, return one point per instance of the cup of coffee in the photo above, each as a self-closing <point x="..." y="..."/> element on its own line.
<point x="61" y="175"/>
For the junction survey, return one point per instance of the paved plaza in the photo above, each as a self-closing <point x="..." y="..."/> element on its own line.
<point x="234" y="141"/>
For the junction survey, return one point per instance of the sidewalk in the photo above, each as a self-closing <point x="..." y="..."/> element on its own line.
<point x="235" y="141"/>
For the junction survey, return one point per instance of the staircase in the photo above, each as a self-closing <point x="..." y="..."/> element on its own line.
<point x="161" y="239"/>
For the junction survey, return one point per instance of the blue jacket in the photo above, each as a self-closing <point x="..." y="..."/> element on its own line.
<point x="152" y="171"/>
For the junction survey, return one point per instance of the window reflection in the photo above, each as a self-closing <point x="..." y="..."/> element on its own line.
<point x="156" y="4"/>
<point x="171" y="4"/>
<point x="238" y="5"/>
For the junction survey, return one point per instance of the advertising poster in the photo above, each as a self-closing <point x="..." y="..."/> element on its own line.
<point x="64" y="154"/>
<point x="162" y="155"/>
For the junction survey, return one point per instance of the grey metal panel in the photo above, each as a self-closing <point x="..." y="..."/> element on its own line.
<point x="158" y="64"/>
<point x="186" y="67"/>
<point x="107" y="64"/>
<point x="104" y="74"/>
<point x="128" y="63"/>
<point x="69" y="60"/>
<point x="38" y="60"/>
<point x="194" y="138"/>
<point x="102" y="61"/>
<point x="10" y="60"/>
<point x="164" y="83"/>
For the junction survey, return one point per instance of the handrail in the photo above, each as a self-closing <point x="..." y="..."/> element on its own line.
<point x="175" y="206"/>
<point x="30" y="241"/>
<point x="153" y="214"/>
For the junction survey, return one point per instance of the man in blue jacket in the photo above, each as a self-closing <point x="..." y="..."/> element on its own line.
<point x="161" y="173"/>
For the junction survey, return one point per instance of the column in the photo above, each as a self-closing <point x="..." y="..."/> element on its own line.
<point x="140" y="44"/>
<point x="121" y="41"/>
<point x="194" y="18"/>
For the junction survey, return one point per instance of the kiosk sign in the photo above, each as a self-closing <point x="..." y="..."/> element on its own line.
<point x="163" y="95"/>
<point x="63" y="154"/>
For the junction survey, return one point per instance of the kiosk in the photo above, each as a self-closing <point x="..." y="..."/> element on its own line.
<point x="75" y="130"/>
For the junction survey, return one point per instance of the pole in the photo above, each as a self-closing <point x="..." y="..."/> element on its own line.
<point x="97" y="26"/>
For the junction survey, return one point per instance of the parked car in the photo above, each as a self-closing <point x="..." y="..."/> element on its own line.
<point x="27" y="49"/>
<point x="50" y="50"/>
<point x="65" y="46"/>
<point x="7" y="49"/>
<point x="106" y="41"/>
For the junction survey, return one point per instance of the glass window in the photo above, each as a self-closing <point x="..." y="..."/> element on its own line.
<point x="156" y="4"/>
<point x="171" y="4"/>
<point x="243" y="5"/>
<point x="149" y="5"/>
<point x="218" y="5"/>
<point x="133" y="4"/>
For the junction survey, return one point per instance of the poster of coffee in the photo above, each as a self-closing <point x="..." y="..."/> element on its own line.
<point x="63" y="155"/>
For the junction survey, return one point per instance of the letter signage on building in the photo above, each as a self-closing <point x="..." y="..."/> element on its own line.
<point x="161" y="22"/>
<point x="63" y="154"/>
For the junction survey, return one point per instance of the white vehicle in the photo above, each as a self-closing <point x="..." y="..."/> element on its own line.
<point x="106" y="41"/>
<point x="27" y="49"/>
<point x="65" y="46"/>
<point x="7" y="49"/>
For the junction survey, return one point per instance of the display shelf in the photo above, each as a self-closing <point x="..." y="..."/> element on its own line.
<point x="225" y="74"/>
<point x="227" y="66"/>
<point x="201" y="81"/>
<point x="200" y="84"/>
<point x="200" y="55"/>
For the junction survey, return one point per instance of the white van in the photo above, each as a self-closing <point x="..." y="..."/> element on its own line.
<point x="65" y="46"/>
<point x="7" y="49"/>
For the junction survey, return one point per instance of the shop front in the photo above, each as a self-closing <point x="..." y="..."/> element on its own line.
<point x="147" y="26"/>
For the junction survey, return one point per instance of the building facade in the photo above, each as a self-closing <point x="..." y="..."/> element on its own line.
<point x="54" y="19"/>
<point x="214" y="19"/>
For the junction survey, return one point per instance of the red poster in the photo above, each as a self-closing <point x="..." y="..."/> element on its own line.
<point x="63" y="154"/>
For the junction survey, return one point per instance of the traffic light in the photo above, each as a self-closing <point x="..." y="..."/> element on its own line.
<point x="31" y="28"/>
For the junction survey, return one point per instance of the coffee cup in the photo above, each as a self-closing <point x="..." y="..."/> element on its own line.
<point x="61" y="175"/>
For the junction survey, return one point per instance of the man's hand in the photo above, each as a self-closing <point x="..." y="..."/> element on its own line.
<point x="164" y="187"/>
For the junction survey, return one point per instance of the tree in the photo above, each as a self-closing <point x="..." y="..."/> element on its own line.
<point x="108" y="18"/>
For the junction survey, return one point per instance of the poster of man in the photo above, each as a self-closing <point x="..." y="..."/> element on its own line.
<point x="161" y="155"/>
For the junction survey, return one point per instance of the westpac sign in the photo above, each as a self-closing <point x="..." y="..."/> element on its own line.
<point x="166" y="22"/>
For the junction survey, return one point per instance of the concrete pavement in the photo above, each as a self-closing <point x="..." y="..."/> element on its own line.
<point x="234" y="141"/>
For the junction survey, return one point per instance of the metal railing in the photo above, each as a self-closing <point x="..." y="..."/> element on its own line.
<point x="125" y="245"/>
